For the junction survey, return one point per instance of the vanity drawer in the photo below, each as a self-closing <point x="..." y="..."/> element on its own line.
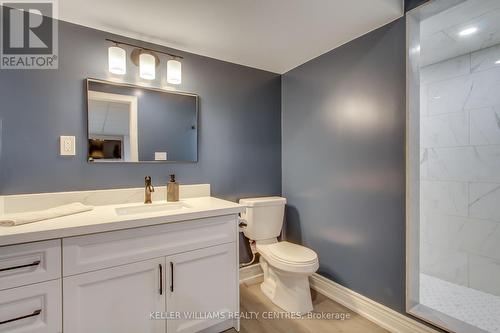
<point x="92" y="252"/>
<point x="36" y="308"/>
<point x="29" y="263"/>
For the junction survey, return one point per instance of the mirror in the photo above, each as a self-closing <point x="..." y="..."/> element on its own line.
<point x="128" y="123"/>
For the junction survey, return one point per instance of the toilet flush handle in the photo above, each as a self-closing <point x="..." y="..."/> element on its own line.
<point x="242" y="223"/>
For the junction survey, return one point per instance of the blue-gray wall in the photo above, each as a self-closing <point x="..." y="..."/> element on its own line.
<point x="344" y="162"/>
<point x="239" y="132"/>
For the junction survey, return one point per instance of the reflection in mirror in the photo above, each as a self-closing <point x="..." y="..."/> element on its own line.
<point x="129" y="123"/>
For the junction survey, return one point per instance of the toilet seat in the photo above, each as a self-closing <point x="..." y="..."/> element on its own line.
<point x="289" y="257"/>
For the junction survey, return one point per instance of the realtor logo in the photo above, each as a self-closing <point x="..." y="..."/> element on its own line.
<point x="29" y="35"/>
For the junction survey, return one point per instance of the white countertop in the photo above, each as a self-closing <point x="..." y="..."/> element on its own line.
<point x="104" y="218"/>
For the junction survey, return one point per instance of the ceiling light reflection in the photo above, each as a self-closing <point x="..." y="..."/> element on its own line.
<point x="468" y="31"/>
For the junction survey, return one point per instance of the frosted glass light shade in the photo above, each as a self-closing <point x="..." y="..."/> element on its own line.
<point x="117" y="60"/>
<point x="174" y="72"/>
<point x="147" y="66"/>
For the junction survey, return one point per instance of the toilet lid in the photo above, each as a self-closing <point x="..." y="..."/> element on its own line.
<point x="291" y="253"/>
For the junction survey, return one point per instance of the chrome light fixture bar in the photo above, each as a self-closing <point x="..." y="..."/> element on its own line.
<point x="147" y="60"/>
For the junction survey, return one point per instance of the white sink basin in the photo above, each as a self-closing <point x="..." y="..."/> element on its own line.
<point x="150" y="208"/>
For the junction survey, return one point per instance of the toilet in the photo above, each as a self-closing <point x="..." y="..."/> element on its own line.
<point x="286" y="266"/>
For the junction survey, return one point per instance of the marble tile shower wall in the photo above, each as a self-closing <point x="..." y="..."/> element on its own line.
<point x="460" y="170"/>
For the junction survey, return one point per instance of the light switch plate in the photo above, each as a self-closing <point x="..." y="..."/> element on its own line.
<point x="67" y="145"/>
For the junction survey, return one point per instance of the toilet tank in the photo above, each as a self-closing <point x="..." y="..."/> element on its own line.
<point x="264" y="217"/>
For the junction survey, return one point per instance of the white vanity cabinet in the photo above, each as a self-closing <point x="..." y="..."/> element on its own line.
<point x="34" y="308"/>
<point x="123" y="267"/>
<point x="117" y="299"/>
<point x="113" y="281"/>
<point x="30" y="288"/>
<point x="29" y="263"/>
<point x="203" y="283"/>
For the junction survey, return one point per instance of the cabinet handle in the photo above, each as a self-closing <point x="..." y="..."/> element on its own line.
<point x="34" y="263"/>
<point x="161" y="278"/>
<point x="35" y="313"/>
<point x="171" y="277"/>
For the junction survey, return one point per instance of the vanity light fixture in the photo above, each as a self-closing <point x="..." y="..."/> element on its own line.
<point x="468" y="31"/>
<point x="497" y="62"/>
<point x="147" y="66"/>
<point x="174" y="71"/>
<point x="117" y="62"/>
<point x="146" y="59"/>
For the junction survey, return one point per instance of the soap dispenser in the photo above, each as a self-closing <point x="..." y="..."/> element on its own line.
<point x="172" y="189"/>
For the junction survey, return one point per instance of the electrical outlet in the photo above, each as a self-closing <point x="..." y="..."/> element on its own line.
<point x="67" y="145"/>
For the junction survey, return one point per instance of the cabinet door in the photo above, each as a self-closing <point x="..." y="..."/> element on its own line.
<point x="116" y="300"/>
<point x="35" y="308"/>
<point x="202" y="282"/>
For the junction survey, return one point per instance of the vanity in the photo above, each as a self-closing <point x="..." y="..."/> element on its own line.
<point x="122" y="267"/>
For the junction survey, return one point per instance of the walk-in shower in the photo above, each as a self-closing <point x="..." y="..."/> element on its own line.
<point x="453" y="134"/>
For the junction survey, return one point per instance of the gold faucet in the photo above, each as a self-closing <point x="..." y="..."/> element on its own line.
<point x="148" y="190"/>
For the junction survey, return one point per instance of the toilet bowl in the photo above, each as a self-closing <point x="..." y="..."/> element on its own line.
<point x="286" y="266"/>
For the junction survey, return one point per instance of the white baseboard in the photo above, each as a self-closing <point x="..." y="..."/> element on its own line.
<point x="379" y="314"/>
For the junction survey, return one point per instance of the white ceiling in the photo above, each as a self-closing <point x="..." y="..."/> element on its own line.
<point x="439" y="34"/>
<point x="274" y="35"/>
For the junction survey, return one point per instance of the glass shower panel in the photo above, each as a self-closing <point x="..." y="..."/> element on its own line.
<point x="454" y="156"/>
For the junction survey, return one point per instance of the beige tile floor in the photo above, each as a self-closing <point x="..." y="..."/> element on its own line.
<point x="252" y="300"/>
